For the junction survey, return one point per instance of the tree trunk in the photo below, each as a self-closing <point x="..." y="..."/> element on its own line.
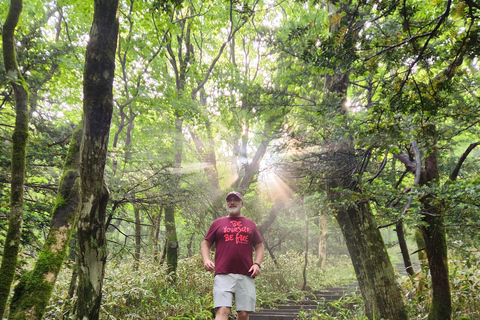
<point x="31" y="299"/>
<point x="19" y="143"/>
<point x="171" y="240"/>
<point x="164" y="252"/>
<point x="156" y="233"/>
<point x="138" y="231"/>
<point x="251" y="169"/>
<point x="170" y="226"/>
<point x="422" y="256"/>
<point x="369" y="256"/>
<point x="276" y="208"/>
<point x="304" y="287"/>
<point x="436" y="248"/>
<point x="72" y="287"/>
<point x="322" y="243"/>
<point x="434" y="235"/>
<point x="270" y="251"/>
<point x="73" y="258"/>
<point x="403" y="248"/>
<point x="97" y="111"/>
<point x="370" y="259"/>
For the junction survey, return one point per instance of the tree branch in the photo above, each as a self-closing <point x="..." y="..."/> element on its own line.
<point x="456" y="170"/>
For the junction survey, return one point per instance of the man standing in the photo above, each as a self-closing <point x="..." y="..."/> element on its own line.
<point x="235" y="237"/>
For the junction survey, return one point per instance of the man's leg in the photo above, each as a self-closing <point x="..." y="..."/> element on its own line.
<point x="245" y="297"/>
<point x="242" y="315"/>
<point x="223" y="289"/>
<point x="223" y="312"/>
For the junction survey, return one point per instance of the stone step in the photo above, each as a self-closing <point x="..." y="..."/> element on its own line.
<point x="291" y="311"/>
<point x="298" y="307"/>
<point x="321" y="295"/>
<point x="338" y="290"/>
<point x="328" y="299"/>
<point x="307" y="302"/>
<point x="260" y="316"/>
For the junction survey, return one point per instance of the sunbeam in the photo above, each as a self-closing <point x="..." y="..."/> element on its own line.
<point x="277" y="189"/>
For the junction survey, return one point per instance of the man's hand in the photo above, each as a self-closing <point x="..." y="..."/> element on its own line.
<point x="209" y="265"/>
<point x="255" y="270"/>
<point x="205" y="252"/>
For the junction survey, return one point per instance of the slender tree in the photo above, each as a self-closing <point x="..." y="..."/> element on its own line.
<point x="97" y="114"/>
<point x="35" y="287"/>
<point x="19" y="143"/>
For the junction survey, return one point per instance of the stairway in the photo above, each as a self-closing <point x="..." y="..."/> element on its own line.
<point x="312" y="301"/>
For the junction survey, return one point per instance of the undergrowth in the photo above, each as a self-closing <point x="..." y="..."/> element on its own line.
<point x="464" y="286"/>
<point x="147" y="292"/>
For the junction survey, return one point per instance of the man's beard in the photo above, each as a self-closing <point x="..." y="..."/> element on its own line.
<point x="235" y="210"/>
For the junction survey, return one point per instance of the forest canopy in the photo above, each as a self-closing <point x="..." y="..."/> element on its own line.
<point x="350" y="127"/>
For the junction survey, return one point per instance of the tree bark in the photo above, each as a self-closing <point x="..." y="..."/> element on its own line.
<point x="433" y="231"/>
<point x="31" y="297"/>
<point x="403" y="248"/>
<point x="370" y="259"/>
<point x="19" y="143"/>
<point x="138" y="231"/>
<point x="322" y="243"/>
<point x="365" y="244"/>
<point x="422" y="256"/>
<point x="270" y="251"/>
<point x="434" y="235"/>
<point x="156" y="232"/>
<point x="304" y="287"/>
<point x="436" y="248"/>
<point x="97" y="112"/>
<point x="170" y="225"/>
<point x="171" y="241"/>
<point x="251" y="169"/>
<point x="72" y="287"/>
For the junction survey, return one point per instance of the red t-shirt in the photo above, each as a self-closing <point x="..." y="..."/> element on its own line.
<point x="234" y="239"/>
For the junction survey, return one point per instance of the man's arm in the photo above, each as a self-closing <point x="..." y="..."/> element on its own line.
<point x="205" y="252"/>
<point x="259" y="253"/>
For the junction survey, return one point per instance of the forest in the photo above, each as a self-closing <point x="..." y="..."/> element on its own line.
<point x="351" y="128"/>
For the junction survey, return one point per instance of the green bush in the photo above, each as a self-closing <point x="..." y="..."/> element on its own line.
<point x="147" y="292"/>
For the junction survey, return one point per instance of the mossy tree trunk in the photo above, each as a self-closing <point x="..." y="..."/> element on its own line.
<point x="171" y="240"/>
<point x="170" y="225"/>
<point x="35" y="288"/>
<point x="180" y="69"/>
<point x="436" y="249"/>
<point x="19" y="143"/>
<point x="433" y="229"/>
<point x="365" y="244"/>
<point x="97" y="112"/>
<point x="435" y="238"/>
<point x="369" y="256"/>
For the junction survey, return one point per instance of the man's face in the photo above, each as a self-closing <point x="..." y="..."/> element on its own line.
<point x="234" y="205"/>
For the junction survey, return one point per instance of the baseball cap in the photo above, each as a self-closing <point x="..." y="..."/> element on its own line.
<point x="234" y="193"/>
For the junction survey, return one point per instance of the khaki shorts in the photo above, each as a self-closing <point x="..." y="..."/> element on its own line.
<point x="229" y="285"/>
